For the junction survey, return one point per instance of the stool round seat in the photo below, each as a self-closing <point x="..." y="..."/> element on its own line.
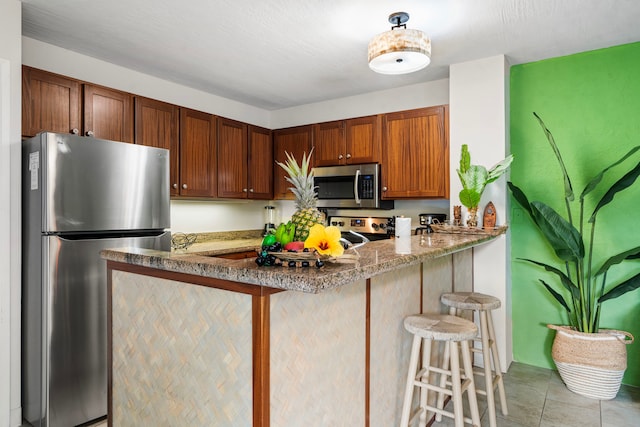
<point x="441" y="327"/>
<point x="470" y="301"/>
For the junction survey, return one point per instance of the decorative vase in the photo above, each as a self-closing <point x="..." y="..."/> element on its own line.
<point x="472" y="217"/>
<point x="591" y="364"/>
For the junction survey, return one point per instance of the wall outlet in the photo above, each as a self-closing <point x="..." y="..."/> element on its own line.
<point x="517" y="214"/>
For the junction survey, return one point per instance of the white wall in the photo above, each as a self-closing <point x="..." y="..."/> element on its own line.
<point x="479" y="117"/>
<point x="10" y="124"/>
<point x="404" y="98"/>
<point x="62" y="61"/>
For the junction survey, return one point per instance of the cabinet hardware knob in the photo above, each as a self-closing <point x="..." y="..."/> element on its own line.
<point x="348" y="156"/>
<point x="184" y="186"/>
<point x="75" y="131"/>
<point x="175" y="185"/>
<point x="89" y="133"/>
<point x="384" y="188"/>
<point x="251" y="190"/>
<point x="340" y="157"/>
<point x="244" y="190"/>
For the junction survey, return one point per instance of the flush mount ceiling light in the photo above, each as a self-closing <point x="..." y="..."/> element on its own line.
<point x="399" y="51"/>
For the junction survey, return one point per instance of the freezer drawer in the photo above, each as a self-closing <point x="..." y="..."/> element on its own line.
<point x="65" y="331"/>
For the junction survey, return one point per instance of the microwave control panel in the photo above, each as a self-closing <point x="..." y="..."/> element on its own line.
<point x="366" y="187"/>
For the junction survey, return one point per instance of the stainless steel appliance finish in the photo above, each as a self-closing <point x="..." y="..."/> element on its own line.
<point x="373" y="228"/>
<point x="351" y="186"/>
<point x="426" y="219"/>
<point x="80" y="195"/>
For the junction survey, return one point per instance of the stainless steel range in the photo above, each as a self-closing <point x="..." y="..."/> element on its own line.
<point x="373" y="228"/>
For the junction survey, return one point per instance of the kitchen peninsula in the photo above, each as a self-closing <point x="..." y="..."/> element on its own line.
<point x="197" y="339"/>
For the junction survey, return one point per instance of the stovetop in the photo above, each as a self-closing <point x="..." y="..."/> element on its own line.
<point x="374" y="228"/>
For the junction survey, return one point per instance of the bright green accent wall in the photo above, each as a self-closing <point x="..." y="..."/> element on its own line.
<point x="591" y="103"/>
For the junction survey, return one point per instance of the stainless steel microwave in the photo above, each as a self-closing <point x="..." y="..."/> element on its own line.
<point x="351" y="186"/>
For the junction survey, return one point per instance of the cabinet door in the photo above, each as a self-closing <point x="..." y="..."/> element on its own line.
<point x="329" y="144"/>
<point x="197" y="154"/>
<point x="232" y="159"/>
<point x="260" y="163"/>
<point x="415" y="154"/>
<point x="156" y="125"/>
<point x="363" y="140"/>
<point x="49" y="103"/>
<point x="294" y="141"/>
<point x="108" y="113"/>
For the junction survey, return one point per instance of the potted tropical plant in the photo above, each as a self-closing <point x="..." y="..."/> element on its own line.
<point x="591" y="361"/>
<point x="474" y="179"/>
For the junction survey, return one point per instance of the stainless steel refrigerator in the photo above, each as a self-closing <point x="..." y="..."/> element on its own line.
<point x="80" y="195"/>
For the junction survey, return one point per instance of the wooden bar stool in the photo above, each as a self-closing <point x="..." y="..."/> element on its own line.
<point x="459" y="301"/>
<point x="451" y="330"/>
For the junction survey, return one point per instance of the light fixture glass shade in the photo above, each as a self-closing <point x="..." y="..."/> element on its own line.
<point x="399" y="51"/>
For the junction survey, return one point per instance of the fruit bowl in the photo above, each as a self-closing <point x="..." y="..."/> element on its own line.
<point x="313" y="256"/>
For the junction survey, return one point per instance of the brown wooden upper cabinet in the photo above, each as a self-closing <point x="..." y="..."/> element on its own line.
<point x="346" y="142"/>
<point x="50" y="102"/>
<point x="108" y="113"/>
<point x="260" y="163"/>
<point x="156" y="125"/>
<point x="245" y="160"/>
<point x="295" y="141"/>
<point x="197" y="154"/>
<point x="415" y="154"/>
<point x="55" y="103"/>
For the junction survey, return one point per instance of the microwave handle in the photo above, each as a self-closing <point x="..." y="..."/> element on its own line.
<point x="355" y="186"/>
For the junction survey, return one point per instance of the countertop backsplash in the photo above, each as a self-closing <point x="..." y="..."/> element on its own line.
<point x="204" y="217"/>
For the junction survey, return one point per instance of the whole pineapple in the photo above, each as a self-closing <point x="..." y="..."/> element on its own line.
<point x="301" y="177"/>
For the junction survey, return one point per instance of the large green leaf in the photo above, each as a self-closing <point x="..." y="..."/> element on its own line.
<point x="520" y="197"/>
<point x="568" y="188"/>
<point x="557" y="296"/>
<point x="621" y="184"/>
<point x="500" y="168"/>
<point x="564" y="280"/>
<point x="596" y="179"/>
<point x="474" y="178"/>
<point x="621" y="289"/>
<point x="563" y="237"/>
<point x="469" y="198"/>
<point x="617" y="259"/>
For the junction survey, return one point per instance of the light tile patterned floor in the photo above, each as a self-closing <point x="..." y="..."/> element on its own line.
<point x="536" y="397"/>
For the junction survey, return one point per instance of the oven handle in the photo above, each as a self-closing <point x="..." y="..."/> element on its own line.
<point x="355" y="186"/>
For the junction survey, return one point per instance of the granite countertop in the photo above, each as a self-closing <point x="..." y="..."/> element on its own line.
<point x="374" y="258"/>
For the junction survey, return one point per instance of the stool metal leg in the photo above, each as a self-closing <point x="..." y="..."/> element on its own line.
<point x="408" y="393"/>
<point x="496" y="363"/>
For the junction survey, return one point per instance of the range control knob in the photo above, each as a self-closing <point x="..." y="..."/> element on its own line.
<point x="341" y="223"/>
<point x="375" y="226"/>
<point x="383" y="226"/>
<point x="334" y="223"/>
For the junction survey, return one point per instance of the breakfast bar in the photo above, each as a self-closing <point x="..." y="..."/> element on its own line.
<point x="197" y="338"/>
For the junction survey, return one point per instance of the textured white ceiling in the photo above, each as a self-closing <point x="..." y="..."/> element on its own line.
<point x="281" y="53"/>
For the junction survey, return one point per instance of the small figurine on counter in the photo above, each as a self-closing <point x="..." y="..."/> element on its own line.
<point x="457" y="215"/>
<point x="489" y="218"/>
